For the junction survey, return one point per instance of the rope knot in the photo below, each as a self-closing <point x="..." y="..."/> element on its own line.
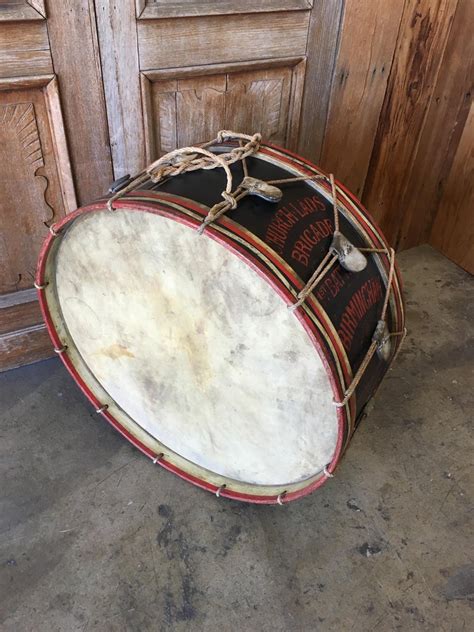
<point x="230" y="199"/>
<point x="223" y="135"/>
<point x="158" y="175"/>
<point x="256" y="140"/>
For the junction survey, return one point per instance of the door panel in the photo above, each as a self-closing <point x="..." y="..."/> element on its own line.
<point x="192" y="107"/>
<point x="75" y="52"/>
<point x="30" y="178"/>
<point x="22" y="10"/>
<point x="182" y="8"/>
<point x="36" y="180"/>
<point x="36" y="189"/>
<point x="174" y="82"/>
<point x="24" y="48"/>
<point x="216" y="39"/>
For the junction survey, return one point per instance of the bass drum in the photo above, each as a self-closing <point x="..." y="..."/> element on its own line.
<point x="231" y="310"/>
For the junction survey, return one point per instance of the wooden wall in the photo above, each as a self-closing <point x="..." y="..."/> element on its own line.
<point x="398" y="125"/>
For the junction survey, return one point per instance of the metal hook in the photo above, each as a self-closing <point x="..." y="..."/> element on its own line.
<point x="262" y="189"/>
<point x="382" y="338"/>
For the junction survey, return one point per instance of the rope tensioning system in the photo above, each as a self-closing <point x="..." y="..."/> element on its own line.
<point x="341" y="249"/>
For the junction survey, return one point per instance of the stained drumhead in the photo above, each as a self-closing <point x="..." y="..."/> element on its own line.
<point x="195" y="347"/>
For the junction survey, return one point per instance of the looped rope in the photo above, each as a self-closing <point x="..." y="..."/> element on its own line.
<point x="186" y="159"/>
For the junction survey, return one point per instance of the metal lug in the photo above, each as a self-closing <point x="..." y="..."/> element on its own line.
<point x="120" y="183"/>
<point x="350" y="257"/>
<point x="261" y="189"/>
<point x="382" y="338"/>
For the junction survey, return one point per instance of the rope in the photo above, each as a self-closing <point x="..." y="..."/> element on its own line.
<point x="375" y="343"/>
<point x="186" y="159"/>
<point x="295" y="179"/>
<point x="334" y="202"/>
<point x="222" y="207"/>
<point x="403" y="334"/>
<point x="319" y="273"/>
<point x="244" y="164"/>
<point x="357" y="377"/>
<point x="389" y="282"/>
<point x="315" y="279"/>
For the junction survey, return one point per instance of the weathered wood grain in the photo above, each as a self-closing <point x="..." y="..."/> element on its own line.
<point x="60" y="148"/>
<point x="191" y="109"/>
<point x="295" y="106"/>
<point x="149" y="9"/>
<point x="444" y="124"/>
<point x="260" y="101"/>
<point x="24" y="49"/>
<point x="31" y="36"/>
<point x="181" y="72"/>
<point x="368" y="35"/>
<point x="453" y="228"/>
<point x="118" y="52"/>
<point x="321" y="54"/>
<point x="24" y="347"/>
<point x="151" y="123"/>
<point x="17" y="298"/>
<point x="18" y="316"/>
<point x="32" y="193"/>
<point x="218" y="39"/>
<point x="31" y="81"/>
<point x="424" y="29"/>
<point x="38" y="5"/>
<point x="74" y="44"/>
<point x="21" y="10"/>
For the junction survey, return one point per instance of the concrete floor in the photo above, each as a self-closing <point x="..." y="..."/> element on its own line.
<point x="94" y="537"/>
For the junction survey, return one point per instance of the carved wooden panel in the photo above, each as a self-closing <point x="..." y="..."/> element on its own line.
<point x="35" y="181"/>
<point x="191" y="109"/>
<point x="149" y="9"/>
<point x="22" y="10"/>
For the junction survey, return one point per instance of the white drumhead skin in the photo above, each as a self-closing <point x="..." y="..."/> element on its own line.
<point x="195" y="347"/>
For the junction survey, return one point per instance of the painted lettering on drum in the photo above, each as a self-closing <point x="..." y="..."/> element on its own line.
<point x="332" y="284"/>
<point x="368" y="295"/>
<point x="289" y="216"/>
<point x="311" y="237"/>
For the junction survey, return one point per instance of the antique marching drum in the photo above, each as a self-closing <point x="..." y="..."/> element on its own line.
<point x="231" y="310"/>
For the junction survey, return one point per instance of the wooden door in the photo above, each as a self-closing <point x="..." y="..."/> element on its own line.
<point x="53" y="143"/>
<point x="177" y="71"/>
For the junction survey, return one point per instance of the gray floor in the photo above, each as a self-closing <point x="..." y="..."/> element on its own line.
<point x="94" y="537"/>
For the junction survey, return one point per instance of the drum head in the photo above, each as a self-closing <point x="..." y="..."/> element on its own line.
<point x="197" y="351"/>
